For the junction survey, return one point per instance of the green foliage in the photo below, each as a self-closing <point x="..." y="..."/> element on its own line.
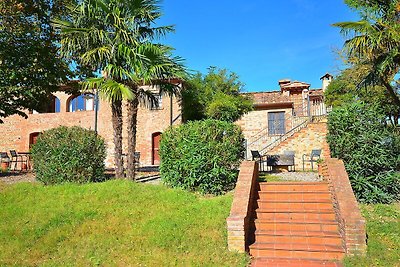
<point x="69" y="154"/>
<point x="216" y="96"/>
<point x="375" y="40"/>
<point x="116" y="223"/>
<point x="201" y="156"/>
<point x="345" y="89"/>
<point x="30" y="68"/>
<point x="370" y="149"/>
<point x="120" y="39"/>
<point x="383" y="227"/>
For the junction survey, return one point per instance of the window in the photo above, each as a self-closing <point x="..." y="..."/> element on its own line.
<point x="158" y="103"/>
<point x="84" y="102"/>
<point x="50" y="106"/>
<point x="276" y="123"/>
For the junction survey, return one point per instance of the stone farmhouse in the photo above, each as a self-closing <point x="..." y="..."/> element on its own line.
<point x="278" y="118"/>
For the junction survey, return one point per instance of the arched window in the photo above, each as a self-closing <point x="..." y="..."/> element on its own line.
<point x="52" y="105"/>
<point x="83" y="102"/>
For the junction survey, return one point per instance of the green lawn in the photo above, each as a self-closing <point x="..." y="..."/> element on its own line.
<point x="117" y="223"/>
<point x="383" y="228"/>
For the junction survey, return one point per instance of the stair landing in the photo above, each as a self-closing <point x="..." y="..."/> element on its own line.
<point x="295" y="225"/>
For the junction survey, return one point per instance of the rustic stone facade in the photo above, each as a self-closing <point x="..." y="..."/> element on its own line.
<point x="313" y="136"/>
<point x="16" y="131"/>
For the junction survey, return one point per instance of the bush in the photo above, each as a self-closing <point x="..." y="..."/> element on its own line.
<point x="369" y="148"/>
<point x="201" y="156"/>
<point x="69" y="155"/>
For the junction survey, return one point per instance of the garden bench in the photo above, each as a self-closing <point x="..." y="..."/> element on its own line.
<point x="284" y="160"/>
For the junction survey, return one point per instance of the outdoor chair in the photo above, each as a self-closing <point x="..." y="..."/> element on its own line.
<point x="313" y="157"/>
<point x="16" y="158"/>
<point x="137" y="159"/>
<point x="256" y="156"/>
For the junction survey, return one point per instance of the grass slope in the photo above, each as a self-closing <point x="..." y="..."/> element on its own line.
<point x="117" y="223"/>
<point x="383" y="229"/>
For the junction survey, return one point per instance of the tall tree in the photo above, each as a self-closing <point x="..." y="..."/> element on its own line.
<point x="216" y="95"/>
<point x="114" y="36"/>
<point x="344" y="89"/>
<point x="375" y="40"/>
<point x="30" y="66"/>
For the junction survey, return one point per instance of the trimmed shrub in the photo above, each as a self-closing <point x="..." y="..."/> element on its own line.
<point x="370" y="150"/>
<point x="201" y="156"/>
<point x="69" y="154"/>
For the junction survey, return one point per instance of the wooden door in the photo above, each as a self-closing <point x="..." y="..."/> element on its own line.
<point x="156" y="137"/>
<point x="33" y="138"/>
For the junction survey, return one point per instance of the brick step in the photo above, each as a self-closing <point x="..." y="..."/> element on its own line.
<point x="294" y="187"/>
<point x="299" y="233"/>
<point x="277" y="262"/>
<point x="268" y="205"/>
<point x="294" y="196"/>
<point x="263" y="237"/>
<point x="296" y="227"/>
<point x="309" y="216"/>
<point x="300" y="251"/>
<point x="290" y="201"/>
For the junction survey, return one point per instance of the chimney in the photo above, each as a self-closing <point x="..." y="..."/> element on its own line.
<point x="326" y="80"/>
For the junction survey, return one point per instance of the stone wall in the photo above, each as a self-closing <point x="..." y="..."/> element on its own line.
<point x="15" y="132"/>
<point x="351" y="222"/>
<point x="313" y="136"/>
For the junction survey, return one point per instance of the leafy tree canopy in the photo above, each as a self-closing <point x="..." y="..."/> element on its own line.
<point x="215" y="95"/>
<point x="345" y="89"/>
<point x="30" y="68"/>
<point x="375" y="40"/>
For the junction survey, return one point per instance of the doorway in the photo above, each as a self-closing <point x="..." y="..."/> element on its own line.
<point x="156" y="137"/>
<point x="33" y="138"/>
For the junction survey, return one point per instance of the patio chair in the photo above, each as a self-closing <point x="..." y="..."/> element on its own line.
<point x="16" y="158"/>
<point x="313" y="157"/>
<point x="256" y="156"/>
<point x="137" y="159"/>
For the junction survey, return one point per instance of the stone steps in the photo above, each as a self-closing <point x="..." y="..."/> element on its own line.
<point x="295" y="225"/>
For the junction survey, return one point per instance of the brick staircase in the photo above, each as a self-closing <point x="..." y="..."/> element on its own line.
<point x="295" y="225"/>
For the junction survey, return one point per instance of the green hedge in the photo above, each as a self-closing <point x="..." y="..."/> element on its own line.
<point x="370" y="150"/>
<point x="69" y="155"/>
<point x="201" y="156"/>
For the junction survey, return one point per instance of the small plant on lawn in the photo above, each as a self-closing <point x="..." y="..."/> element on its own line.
<point x="69" y="155"/>
<point x="369" y="148"/>
<point x="201" y="156"/>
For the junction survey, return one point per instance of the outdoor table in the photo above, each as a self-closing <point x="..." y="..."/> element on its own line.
<point x="280" y="160"/>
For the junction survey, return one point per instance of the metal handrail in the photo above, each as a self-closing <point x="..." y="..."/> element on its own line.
<point x="285" y="136"/>
<point x="259" y="135"/>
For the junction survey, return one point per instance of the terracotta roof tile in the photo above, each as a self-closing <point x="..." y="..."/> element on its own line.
<point x="295" y="85"/>
<point x="270" y="97"/>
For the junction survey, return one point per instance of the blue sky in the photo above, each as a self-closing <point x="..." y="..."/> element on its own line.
<point x="261" y="40"/>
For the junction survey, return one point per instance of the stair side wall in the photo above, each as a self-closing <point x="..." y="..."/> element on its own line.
<point x="351" y="222"/>
<point x="313" y="136"/>
<point x="240" y="230"/>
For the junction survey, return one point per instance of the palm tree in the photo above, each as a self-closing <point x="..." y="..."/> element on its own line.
<point x="114" y="36"/>
<point x="375" y="40"/>
<point x="159" y="69"/>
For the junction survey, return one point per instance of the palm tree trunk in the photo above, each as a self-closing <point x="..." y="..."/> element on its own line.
<point x="116" y="108"/>
<point x="132" y="127"/>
